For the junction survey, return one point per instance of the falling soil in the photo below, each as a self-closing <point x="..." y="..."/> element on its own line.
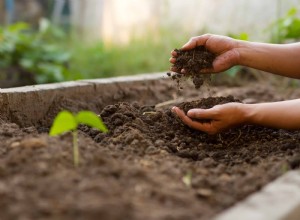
<point x="148" y="166"/>
<point x="192" y="61"/>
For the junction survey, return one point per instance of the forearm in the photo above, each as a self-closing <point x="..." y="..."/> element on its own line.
<point x="281" y="59"/>
<point x="285" y="114"/>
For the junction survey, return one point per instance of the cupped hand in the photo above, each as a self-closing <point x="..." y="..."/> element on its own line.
<point x="225" y="49"/>
<point x="219" y="117"/>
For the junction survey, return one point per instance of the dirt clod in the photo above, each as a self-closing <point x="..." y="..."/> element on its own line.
<point x="193" y="61"/>
<point x="206" y="103"/>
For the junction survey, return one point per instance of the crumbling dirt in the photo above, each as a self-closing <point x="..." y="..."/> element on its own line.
<point x="192" y="61"/>
<point x="136" y="170"/>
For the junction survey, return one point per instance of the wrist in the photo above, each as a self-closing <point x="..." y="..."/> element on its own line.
<point x="249" y="112"/>
<point x="242" y="48"/>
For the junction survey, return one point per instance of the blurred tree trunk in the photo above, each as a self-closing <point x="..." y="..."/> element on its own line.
<point x="2" y="12"/>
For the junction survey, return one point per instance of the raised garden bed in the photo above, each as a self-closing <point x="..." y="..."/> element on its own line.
<point x="149" y="166"/>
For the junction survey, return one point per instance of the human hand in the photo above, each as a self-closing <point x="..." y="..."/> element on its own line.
<point x="225" y="49"/>
<point x="221" y="117"/>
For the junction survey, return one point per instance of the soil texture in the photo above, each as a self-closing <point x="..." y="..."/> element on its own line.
<point x="192" y="62"/>
<point x="148" y="166"/>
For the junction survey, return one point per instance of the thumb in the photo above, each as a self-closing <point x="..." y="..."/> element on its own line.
<point x="191" y="44"/>
<point x="202" y="113"/>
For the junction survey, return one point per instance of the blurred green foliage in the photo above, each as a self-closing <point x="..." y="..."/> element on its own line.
<point x="240" y="36"/>
<point x="283" y="29"/>
<point x="51" y="55"/>
<point x="286" y="27"/>
<point x="35" y="51"/>
<point x="139" y="56"/>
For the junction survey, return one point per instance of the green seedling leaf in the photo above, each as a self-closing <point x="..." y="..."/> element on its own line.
<point x="64" y="121"/>
<point x="90" y="119"/>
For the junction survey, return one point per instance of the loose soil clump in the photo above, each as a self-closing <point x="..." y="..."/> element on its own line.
<point x="206" y="104"/>
<point x="193" y="61"/>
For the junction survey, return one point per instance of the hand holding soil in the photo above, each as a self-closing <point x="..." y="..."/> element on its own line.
<point x="203" y="54"/>
<point x="212" y="116"/>
<point x="223" y="48"/>
<point x="227" y="52"/>
<point x="191" y="62"/>
<point x="215" y="120"/>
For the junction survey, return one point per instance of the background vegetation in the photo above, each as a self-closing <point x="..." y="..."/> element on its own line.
<point x="50" y="55"/>
<point x="47" y="53"/>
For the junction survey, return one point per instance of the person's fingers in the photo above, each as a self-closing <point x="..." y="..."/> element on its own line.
<point x="192" y="43"/>
<point x="185" y="119"/>
<point x="205" y="127"/>
<point x="196" y="41"/>
<point x="207" y="70"/>
<point x="174" y="69"/>
<point x="173" y="53"/>
<point x="172" y="60"/>
<point x="202" y="113"/>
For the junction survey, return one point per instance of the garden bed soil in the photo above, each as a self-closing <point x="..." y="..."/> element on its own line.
<point x="149" y="165"/>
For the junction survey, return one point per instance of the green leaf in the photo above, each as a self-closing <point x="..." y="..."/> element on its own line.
<point x="17" y="27"/>
<point x="91" y="119"/>
<point x="244" y="36"/>
<point x="63" y="122"/>
<point x="292" y="11"/>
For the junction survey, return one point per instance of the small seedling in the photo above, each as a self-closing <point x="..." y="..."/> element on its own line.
<point x="187" y="179"/>
<point x="149" y="113"/>
<point x="66" y="121"/>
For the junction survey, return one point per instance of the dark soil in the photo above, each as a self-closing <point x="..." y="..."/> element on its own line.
<point x="206" y="103"/>
<point x="193" y="61"/>
<point x="148" y="166"/>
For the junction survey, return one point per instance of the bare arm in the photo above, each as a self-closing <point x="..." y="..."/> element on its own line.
<point x="284" y="114"/>
<point x="280" y="59"/>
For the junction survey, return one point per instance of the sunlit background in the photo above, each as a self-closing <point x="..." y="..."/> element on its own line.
<point x="44" y="41"/>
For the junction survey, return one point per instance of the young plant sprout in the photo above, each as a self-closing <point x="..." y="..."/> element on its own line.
<point x="187" y="179"/>
<point x="66" y="121"/>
